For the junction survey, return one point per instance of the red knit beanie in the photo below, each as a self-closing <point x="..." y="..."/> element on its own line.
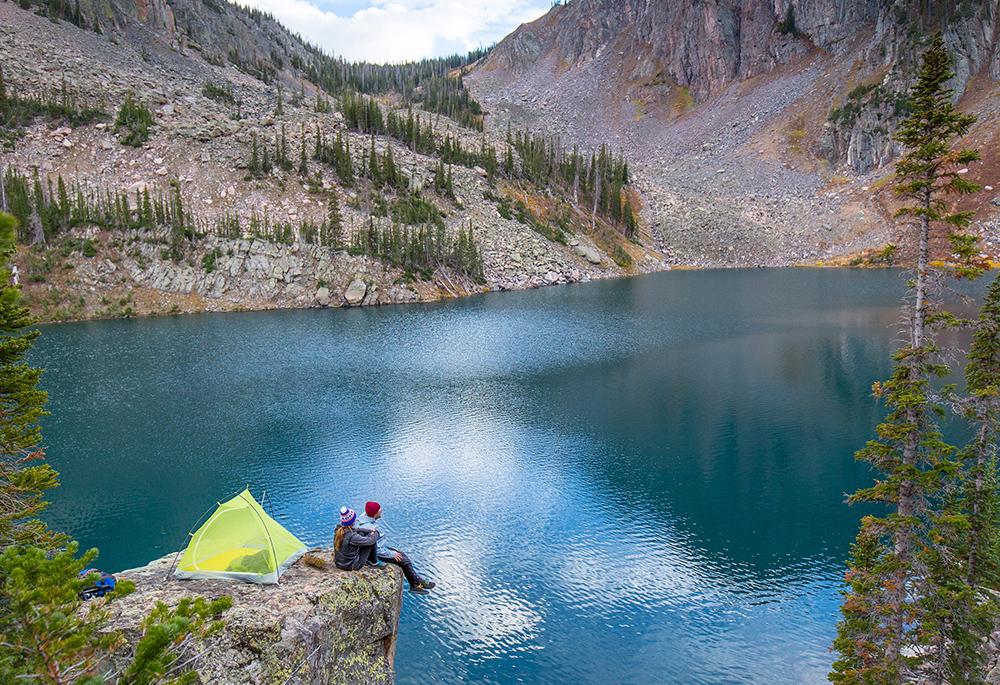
<point x="372" y="508"/>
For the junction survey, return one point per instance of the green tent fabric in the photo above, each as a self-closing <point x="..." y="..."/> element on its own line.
<point x="239" y="541"/>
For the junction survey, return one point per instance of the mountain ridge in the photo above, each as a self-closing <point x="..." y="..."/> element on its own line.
<point x="252" y="232"/>
<point x="793" y="103"/>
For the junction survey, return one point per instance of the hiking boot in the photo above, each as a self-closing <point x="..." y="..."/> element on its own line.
<point x="427" y="584"/>
<point x="418" y="589"/>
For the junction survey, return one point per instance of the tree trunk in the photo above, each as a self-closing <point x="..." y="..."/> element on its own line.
<point x="576" y="182"/>
<point x="976" y="534"/>
<point x="37" y="231"/>
<point x="907" y="504"/>
<point x="597" y="196"/>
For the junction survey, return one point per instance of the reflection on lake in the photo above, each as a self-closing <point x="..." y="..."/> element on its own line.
<point x="634" y="481"/>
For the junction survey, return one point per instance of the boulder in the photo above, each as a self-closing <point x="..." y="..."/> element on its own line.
<point x="588" y="253"/>
<point x="323" y="296"/>
<point x="355" y="293"/>
<point x="317" y="626"/>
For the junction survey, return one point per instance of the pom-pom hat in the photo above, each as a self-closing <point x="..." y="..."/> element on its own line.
<point x="347" y="516"/>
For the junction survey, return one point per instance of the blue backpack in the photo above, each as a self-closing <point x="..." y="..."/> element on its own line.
<point x="105" y="583"/>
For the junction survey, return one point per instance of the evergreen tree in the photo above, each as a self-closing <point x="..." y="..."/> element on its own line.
<point x="146" y="211"/>
<point x="282" y="152"/>
<point x="891" y="607"/>
<point x="374" y="167"/>
<point x="254" y="156"/>
<point x="964" y="557"/>
<point x="134" y="121"/>
<point x="439" y="178"/>
<point x="334" y="223"/>
<point x="24" y="477"/>
<point x="303" y="165"/>
<point x="982" y="375"/>
<point x="49" y="636"/>
<point x="389" y="171"/>
<point x="265" y="161"/>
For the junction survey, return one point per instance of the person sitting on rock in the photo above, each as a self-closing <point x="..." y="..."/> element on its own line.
<point x="389" y="555"/>
<point x="353" y="548"/>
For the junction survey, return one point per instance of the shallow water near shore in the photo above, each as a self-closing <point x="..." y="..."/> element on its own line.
<point x="631" y="481"/>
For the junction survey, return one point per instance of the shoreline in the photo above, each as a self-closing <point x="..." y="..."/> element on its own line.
<point x="454" y="297"/>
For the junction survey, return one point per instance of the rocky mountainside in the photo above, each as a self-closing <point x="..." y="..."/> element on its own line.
<point x="244" y="167"/>
<point x="760" y="130"/>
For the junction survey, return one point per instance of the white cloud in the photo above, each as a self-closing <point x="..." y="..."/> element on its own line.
<point x="401" y="30"/>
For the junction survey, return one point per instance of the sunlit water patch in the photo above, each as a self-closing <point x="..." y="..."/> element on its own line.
<point x="634" y="481"/>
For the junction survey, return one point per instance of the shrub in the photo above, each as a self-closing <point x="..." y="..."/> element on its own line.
<point x="134" y="122"/>
<point x="219" y="93"/>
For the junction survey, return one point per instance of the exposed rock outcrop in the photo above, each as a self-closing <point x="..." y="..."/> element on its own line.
<point x="700" y="46"/>
<point x="322" y="627"/>
<point x="679" y="54"/>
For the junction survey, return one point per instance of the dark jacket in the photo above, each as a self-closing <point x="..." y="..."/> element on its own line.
<point x="356" y="549"/>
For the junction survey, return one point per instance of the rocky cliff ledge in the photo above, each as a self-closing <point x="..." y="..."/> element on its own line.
<point x="335" y="628"/>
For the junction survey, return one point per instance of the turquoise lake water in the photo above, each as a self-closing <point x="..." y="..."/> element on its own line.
<point x="634" y="481"/>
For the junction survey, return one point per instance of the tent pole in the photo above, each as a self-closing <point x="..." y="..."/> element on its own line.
<point x="191" y="531"/>
<point x="274" y="554"/>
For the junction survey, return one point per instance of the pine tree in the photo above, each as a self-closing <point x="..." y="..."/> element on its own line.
<point x="3" y="91"/>
<point x="335" y="223"/>
<point x="303" y="164"/>
<point x="389" y="172"/>
<point x="439" y="178"/>
<point x="982" y="376"/>
<point x="347" y="171"/>
<point x="374" y="167"/>
<point x="254" y="157"/>
<point x="893" y="612"/>
<point x="282" y="152"/>
<point x="51" y="637"/>
<point x="24" y="477"/>
<point x="964" y="554"/>
<point x="146" y="213"/>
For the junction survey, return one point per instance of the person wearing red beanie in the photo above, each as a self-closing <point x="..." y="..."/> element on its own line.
<point x="389" y="555"/>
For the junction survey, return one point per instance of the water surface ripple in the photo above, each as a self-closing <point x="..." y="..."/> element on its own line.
<point x="632" y="482"/>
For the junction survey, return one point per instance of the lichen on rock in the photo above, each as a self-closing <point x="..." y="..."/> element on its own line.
<point x="317" y="626"/>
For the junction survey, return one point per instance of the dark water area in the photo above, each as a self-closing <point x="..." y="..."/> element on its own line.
<point x="633" y="481"/>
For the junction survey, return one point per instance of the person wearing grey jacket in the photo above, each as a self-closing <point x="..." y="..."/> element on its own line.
<point x="391" y="555"/>
<point x="353" y="548"/>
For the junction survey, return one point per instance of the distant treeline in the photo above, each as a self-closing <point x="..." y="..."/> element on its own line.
<point x="596" y="181"/>
<point x="416" y="238"/>
<point x="426" y="83"/>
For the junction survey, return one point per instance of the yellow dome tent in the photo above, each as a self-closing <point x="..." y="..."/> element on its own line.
<point x="239" y="541"/>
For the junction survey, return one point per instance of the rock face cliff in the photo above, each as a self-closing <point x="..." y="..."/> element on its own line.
<point x="322" y="627"/>
<point x="757" y="127"/>
<point x="689" y="51"/>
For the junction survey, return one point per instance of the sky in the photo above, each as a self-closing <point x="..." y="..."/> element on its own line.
<point x="401" y="30"/>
